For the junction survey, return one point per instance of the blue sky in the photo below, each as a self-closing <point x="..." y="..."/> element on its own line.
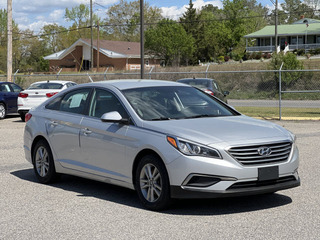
<point x="34" y="14"/>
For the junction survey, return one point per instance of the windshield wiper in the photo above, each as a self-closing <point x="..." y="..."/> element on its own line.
<point x="200" y="116"/>
<point x="160" y="119"/>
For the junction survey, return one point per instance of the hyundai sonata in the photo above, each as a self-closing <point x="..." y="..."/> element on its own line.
<point x="164" y="139"/>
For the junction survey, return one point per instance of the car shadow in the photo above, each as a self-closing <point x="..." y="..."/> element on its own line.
<point x="108" y="192"/>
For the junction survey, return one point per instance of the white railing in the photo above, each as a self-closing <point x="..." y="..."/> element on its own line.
<point x="291" y="47"/>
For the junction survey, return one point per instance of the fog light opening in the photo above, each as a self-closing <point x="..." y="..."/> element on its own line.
<point x="202" y="181"/>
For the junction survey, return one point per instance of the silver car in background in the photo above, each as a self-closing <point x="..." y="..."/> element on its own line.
<point x="164" y="139"/>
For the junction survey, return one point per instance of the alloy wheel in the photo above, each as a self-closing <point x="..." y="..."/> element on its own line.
<point x="42" y="161"/>
<point x="2" y="111"/>
<point x="150" y="182"/>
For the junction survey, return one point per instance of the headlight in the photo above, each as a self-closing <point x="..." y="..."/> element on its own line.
<point x="193" y="149"/>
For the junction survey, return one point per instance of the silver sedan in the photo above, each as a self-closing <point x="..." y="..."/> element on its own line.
<point x="165" y="140"/>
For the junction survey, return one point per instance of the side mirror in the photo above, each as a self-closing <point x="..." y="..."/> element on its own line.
<point x="114" y="117"/>
<point x="225" y="93"/>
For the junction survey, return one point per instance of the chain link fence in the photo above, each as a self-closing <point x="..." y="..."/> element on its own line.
<point x="268" y="94"/>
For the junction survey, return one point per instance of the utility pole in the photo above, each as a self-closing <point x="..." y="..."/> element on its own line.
<point x="276" y="26"/>
<point x="98" y="47"/>
<point x="91" y="23"/>
<point x="9" y="36"/>
<point x="142" y="38"/>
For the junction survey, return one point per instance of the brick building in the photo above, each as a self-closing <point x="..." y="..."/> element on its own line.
<point x="114" y="55"/>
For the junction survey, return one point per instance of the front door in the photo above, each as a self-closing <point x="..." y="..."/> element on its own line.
<point x="283" y="43"/>
<point x="103" y="144"/>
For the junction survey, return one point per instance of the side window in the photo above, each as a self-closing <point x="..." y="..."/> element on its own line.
<point x="215" y="85"/>
<point x="104" y="101"/>
<point x="5" y="88"/>
<point x="15" y="88"/>
<point x="75" y="101"/>
<point x="54" y="104"/>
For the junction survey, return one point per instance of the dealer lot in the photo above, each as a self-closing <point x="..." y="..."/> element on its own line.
<point x="82" y="209"/>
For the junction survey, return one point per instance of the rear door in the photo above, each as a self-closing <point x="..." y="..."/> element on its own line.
<point x="63" y="126"/>
<point x="9" y="97"/>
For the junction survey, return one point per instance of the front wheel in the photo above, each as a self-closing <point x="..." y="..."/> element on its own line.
<point x="3" y="111"/>
<point x="43" y="162"/>
<point x="152" y="183"/>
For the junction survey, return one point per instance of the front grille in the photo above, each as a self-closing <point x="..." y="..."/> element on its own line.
<point x="261" y="154"/>
<point x="263" y="183"/>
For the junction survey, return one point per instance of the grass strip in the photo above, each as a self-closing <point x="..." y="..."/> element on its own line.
<point x="273" y="112"/>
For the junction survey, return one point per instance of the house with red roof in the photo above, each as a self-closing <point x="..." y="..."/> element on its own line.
<point x="113" y="55"/>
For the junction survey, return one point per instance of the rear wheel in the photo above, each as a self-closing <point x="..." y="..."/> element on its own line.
<point x="152" y="183"/>
<point x="43" y="162"/>
<point x="3" y="111"/>
<point x="23" y="116"/>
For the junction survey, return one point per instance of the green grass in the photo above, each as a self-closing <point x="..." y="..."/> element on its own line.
<point x="273" y="112"/>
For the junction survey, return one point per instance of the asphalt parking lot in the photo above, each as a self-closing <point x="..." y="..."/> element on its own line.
<point x="76" y="208"/>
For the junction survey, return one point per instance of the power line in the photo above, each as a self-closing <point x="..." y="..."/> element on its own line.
<point x="154" y="23"/>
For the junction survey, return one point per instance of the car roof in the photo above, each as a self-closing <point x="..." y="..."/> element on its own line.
<point x="5" y="82"/>
<point x="196" y="79"/>
<point x="52" y="81"/>
<point x="134" y="83"/>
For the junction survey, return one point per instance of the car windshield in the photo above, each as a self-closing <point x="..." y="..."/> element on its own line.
<point x="199" y="83"/>
<point x="47" y="85"/>
<point x="165" y="103"/>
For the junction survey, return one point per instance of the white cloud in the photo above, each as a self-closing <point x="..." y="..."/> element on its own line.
<point x="176" y="12"/>
<point x="35" y="26"/>
<point x="57" y="15"/>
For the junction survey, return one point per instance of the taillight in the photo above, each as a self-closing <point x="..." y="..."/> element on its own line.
<point x="27" y="117"/>
<point x="23" y="95"/>
<point x="49" y="95"/>
<point x="208" y="91"/>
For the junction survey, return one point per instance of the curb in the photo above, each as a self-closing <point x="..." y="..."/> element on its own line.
<point x="290" y="118"/>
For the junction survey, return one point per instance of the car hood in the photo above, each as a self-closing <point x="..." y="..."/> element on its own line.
<point x="230" y="130"/>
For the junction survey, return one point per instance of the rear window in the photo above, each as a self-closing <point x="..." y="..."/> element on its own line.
<point x="47" y="85"/>
<point x="196" y="83"/>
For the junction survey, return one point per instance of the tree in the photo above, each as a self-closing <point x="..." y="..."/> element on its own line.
<point x="3" y="39"/>
<point x="55" y="37"/>
<point x="294" y="9"/>
<point x="123" y="20"/>
<point x="80" y="16"/>
<point x="169" y="41"/>
<point x="190" y="23"/>
<point x="211" y="35"/>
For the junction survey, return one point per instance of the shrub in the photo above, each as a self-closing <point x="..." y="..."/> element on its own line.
<point x="226" y="58"/>
<point x="290" y="62"/>
<point x="221" y="59"/>
<point x="258" y="55"/>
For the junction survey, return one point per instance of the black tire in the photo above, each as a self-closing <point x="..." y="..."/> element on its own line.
<point x="3" y="111"/>
<point x="23" y="116"/>
<point x="154" y="188"/>
<point x="43" y="164"/>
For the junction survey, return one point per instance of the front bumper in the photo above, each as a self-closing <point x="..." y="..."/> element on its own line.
<point x="199" y="177"/>
<point x="252" y="188"/>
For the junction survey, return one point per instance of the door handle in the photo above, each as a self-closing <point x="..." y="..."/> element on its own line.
<point x="86" y="131"/>
<point x="53" y="123"/>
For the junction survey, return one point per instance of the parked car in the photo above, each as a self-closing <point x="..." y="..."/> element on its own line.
<point x="163" y="139"/>
<point x="8" y="98"/>
<point x="38" y="92"/>
<point x="208" y="85"/>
